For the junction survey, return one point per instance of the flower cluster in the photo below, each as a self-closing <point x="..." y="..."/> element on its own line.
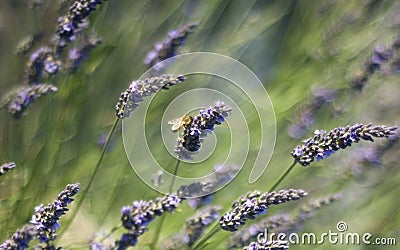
<point x="267" y="245"/>
<point x="72" y="24"/>
<point x="200" y="125"/>
<point x="138" y="216"/>
<point x="167" y="48"/>
<point x="43" y="224"/>
<point x="18" y="100"/>
<point x="79" y="54"/>
<point x="324" y="144"/>
<point x="41" y="61"/>
<point x="380" y="57"/>
<point x="306" y="114"/>
<point x="20" y="239"/>
<point x="254" y="204"/>
<point x="196" y="225"/>
<point x="46" y="218"/>
<point x="6" y="167"/>
<point x="280" y="223"/>
<point x="198" y="193"/>
<point x="137" y="90"/>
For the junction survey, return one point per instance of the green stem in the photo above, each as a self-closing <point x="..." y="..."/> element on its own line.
<point x="84" y="192"/>
<point x="283" y="176"/>
<point x="171" y="186"/>
<point x="215" y="229"/>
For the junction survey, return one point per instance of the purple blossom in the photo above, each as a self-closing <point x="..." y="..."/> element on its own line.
<point x="19" y="100"/>
<point x="324" y="144"/>
<point x="254" y="204"/>
<point x="6" y="167"/>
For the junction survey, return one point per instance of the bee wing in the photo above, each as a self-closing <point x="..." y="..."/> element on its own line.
<point x="176" y="124"/>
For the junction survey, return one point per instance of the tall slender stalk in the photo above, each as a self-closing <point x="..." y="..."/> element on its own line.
<point x="171" y="186"/>
<point x="215" y="227"/>
<point x="86" y="190"/>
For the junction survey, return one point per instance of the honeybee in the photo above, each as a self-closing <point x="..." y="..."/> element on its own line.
<point x="178" y="123"/>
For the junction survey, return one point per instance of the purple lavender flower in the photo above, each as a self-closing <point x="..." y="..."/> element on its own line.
<point x="196" y="224"/>
<point x="200" y="125"/>
<point x="18" y="101"/>
<point x="140" y="214"/>
<point x="44" y="223"/>
<point x="254" y="204"/>
<point x="268" y="245"/>
<point x="78" y="55"/>
<point x="71" y="25"/>
<point x="39" y="62"/>
<point x="46" y="218"/>
<point x="324" y="144"/>
<point x="167" y="48"/>
<point x="20" y="239"/>
<point x="137" y="90"/>
<point x="6" y="167"/>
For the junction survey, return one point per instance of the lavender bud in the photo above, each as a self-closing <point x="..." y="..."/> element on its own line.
<point x="167" y="48"/>
<point x="196" y="225"/>
<point x="254" y="204"/>
<point x="6" y="167"/>
<point x="71" y="25"/>
<point x="139" y="89"/>
<point x="136" y="217"/>
<point x="40" y="61"/>
<point x="268" y="245"/>
<point x="20" y="239"/>
<point x="200" y="125"/>
<point x="19" y="100"/>
<point x="46" y="218"/>
<point x="324" y="144"/>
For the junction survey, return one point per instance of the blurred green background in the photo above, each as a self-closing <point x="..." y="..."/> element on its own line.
<point x="292" y="46"/>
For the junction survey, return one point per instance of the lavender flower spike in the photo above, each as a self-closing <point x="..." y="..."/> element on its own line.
<point x="254" y="204"/>
<point x="324" y="144"/>
<point x="46" y="218"/>
<point x="167" y="48"/>
<point x="72" y="24"/>
<point x="18" y="100"/>
<point x="6" y="167"/>
<point x="196" y="225"/>
<point x="200" y="125"/>
<point x="139" y="89"/>
<point x="268" y="245"/>
<point x="20" y="239"/>
<point x="136" y="217"/>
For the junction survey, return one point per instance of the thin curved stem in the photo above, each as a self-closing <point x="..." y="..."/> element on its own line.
<point x="171" y="186"/>
<point x="86" y="190"/>
<point x="215" y="229"/>
<point x="283" y="176"/>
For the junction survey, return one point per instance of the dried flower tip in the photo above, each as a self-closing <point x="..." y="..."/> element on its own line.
<point x="72" y="24"/>
<point x="268" y="245"/>
<point x="139" y="89"/>
<point x="324" y="144"/>
<point x="46" y="218"/>
<point x="6" y="167"/>
<point x="18" y="100"/>
<point x="254" y="204"/>
<point x="167" y="48"/>
<point x="136" y="217"/>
